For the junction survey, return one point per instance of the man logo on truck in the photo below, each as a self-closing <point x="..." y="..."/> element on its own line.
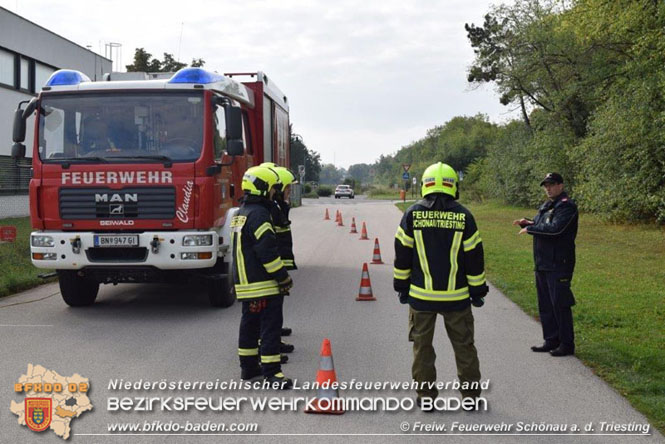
<point x="116" y="197"/>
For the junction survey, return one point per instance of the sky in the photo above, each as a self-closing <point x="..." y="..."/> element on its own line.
<point x="363" y="78"/>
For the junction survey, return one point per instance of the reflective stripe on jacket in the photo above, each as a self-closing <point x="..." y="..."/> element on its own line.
<point x="257" y="266"/>
<point x="438" y="255"/>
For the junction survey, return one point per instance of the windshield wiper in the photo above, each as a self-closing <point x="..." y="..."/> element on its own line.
<point x="73" y="159"/>
<point x="166" y="159"/>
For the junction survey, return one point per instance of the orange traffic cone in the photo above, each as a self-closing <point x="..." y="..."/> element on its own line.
<point x="363" y="233"/>
<point x="376" y="258"/>
<point x="353" y="226"/>
<point x="337" y="216"/>
<point x="365" y="293"/>
<point x="325" y="377"/>
<point x="327" y="216"/>
<point x="340" y="223"/>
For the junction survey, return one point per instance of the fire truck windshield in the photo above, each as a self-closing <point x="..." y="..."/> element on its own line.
<point x="129" y="127"/>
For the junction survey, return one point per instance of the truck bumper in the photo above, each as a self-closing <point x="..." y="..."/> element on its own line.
<point x="158" y="249"/>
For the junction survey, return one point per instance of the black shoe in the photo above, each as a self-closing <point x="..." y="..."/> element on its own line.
<point x="286" y="348"/>
<point x="280" y="382"/>
<point x="562" y="351"/>
<point x="283" y="359"/>
<point x="426" y="410"/>
<point x="286" y="331"/>
<point x="250" y="373"/>
<point x="544" y="348"/>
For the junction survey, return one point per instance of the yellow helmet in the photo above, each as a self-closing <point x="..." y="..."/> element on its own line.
<point x="259" y="180"/>
<point x="440" y="178"/>
<point x="286" y="177"/>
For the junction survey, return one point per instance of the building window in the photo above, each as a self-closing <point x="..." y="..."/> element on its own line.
<point x="7" y="71"/>
<point x="25" y="74"/>
<point x="42" y="73"/>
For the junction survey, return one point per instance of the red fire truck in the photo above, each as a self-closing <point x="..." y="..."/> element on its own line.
<point x="137" y="180"/>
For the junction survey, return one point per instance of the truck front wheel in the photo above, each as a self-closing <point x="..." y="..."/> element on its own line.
<point x="77" y="291"/>
<point x="221" y="292"/>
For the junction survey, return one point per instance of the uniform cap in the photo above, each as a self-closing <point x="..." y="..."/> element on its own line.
<point x="552" y="178"/>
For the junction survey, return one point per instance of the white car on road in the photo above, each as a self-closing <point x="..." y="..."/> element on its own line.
<point x="344" y="191"/>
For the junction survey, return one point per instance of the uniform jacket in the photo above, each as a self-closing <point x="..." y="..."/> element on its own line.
<point x="257" y="266"/>
<point x="439" y="255"/>
<point x="554" y="230"/>
<point x="280" y="216"/>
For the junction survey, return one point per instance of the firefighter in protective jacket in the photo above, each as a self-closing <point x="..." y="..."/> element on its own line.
<point x="280" y="214"/>
<point x="439" y="269"/>
<point x="280" y="218"/>
<point x="260" y="278"/>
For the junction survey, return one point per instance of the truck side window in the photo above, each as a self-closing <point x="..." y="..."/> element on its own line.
<point x="219" y="133"/>
<point x="247" y="134"/>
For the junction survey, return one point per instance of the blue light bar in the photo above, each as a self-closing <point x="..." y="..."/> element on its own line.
<point x="195" y="75"/>
<point x="66" y="77"/>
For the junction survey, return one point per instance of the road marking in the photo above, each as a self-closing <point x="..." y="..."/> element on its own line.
<point x="14" y="325"/>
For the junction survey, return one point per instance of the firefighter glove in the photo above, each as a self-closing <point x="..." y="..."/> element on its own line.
<point x="477" y="301"/>
<point x="403" y="297"/>
<point x="285" y="285"/>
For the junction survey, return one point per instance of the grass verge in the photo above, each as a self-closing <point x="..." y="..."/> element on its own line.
<point x="18" y="273"/>
<point x="619" y="285"/>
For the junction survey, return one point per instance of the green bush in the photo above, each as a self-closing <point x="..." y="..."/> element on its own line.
<point x="307" y="188"/>
<point x="324" y="191"/>
<point x="311" y="195"/>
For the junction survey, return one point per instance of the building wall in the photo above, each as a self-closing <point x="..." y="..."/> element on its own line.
<point x="42" y="49"/>
<point x="14" y="206"/>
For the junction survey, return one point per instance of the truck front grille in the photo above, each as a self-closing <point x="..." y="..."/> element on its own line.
<point x="105" y="203"/>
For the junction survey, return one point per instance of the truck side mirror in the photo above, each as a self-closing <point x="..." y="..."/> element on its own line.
<point x="18" y="151"/>
<point x="19" y="126"/>
<point x="233" y="122"/>
<point x="235" y="147"/>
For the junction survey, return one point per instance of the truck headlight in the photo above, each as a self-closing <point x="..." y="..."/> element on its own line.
<point x="44" y="256"/>
<point x="197" y="240"/>
<point x="42" y="241"/>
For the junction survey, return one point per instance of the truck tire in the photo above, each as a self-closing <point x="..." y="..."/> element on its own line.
<point x="77" y="291"/>
<point x="221" y="292"/>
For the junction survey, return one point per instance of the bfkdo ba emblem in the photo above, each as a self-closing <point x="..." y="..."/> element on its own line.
<point x="38" y="413"/>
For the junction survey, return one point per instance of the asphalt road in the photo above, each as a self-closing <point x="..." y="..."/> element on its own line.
<point x="155" y="332"/>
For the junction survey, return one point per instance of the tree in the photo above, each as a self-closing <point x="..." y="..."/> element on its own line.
<point x="170" y="64"/>
<point x="143" y="62"/>
<point x="300" y="155"/>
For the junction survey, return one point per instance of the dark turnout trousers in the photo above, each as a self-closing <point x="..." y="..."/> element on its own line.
<point x="459" y="325"/>
<point x="261" y="319"/>
<point x="555" y="300"/>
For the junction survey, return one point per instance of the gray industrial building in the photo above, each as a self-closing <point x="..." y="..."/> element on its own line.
<point x="29" y="54"/>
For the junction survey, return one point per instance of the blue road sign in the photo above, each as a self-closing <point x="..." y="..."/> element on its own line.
<point x="405" y="176"/>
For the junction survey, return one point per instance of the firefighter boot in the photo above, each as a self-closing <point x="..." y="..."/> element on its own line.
<point x="286" y="348"/>
<point x="250" y="372"/>
<point x="279" y="381"/>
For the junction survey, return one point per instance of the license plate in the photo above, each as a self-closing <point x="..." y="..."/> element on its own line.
<point x="116" y="240"/>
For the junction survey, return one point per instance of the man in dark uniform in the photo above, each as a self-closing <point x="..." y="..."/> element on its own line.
<point x="439" y="270"/>
<point x="554" y="230"/>
<point x="260" y="279"/>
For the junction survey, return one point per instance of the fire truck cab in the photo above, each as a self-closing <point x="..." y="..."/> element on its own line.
<point x="137" y="180"/>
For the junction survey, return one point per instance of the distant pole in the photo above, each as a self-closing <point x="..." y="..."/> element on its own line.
<point x="182" y="25"/>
